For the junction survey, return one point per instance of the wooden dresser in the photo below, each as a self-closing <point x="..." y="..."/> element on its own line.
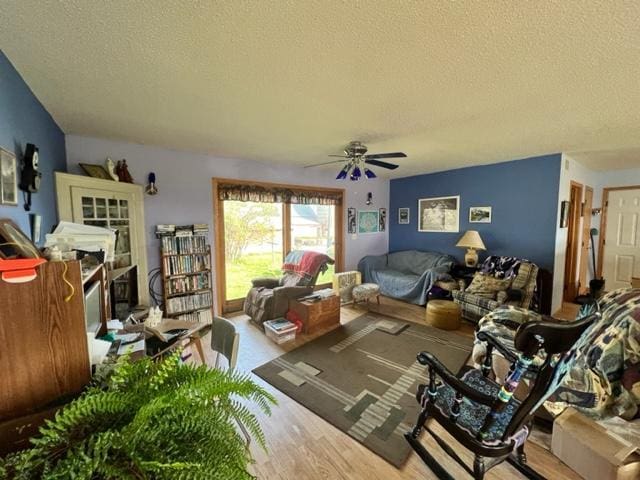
<point x="319" y="314"/>
<point x="44" y="355"/>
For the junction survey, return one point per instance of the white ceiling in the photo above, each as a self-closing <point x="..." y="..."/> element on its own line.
<point x="450" y="83"/>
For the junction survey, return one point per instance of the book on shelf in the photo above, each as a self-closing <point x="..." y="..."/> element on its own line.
<point x="183" y="245"/>
<point x="186" y="264"/>
<point x="188" y="302"/>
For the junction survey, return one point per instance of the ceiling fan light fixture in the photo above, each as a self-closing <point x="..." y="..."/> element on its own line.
<point x="343" y="173"/>
<point x="356" y="174"/>
<point x="369" y="173"/>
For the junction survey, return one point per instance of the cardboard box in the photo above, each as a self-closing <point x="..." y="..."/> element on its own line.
<point x="592" y="451"/>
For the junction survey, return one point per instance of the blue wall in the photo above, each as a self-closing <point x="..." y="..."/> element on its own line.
<point x="24" y="120"/>
<point x="522" y="193"/>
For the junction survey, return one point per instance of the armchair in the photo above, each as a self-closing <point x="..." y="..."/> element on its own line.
<point x="484" y="416"/>
<point x="268" y="298"/>
<point x="519" y="293"/>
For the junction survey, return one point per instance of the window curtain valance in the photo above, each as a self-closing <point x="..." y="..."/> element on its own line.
<point x="265" y="194"/>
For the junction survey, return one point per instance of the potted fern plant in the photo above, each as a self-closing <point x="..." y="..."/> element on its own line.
<point x="149" y="420"/>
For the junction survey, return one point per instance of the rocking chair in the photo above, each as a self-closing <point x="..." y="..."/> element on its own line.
<point x="483" y="415"/>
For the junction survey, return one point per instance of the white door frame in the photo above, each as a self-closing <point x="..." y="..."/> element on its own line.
<point x="65" y="182"/>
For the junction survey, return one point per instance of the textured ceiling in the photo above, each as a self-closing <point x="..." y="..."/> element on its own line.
<point x="449" y="83"/>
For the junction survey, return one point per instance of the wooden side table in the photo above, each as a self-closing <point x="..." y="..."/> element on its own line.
<point x="319" y="314"/>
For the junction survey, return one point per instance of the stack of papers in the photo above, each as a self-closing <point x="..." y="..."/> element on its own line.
<point x="74" y="236"/>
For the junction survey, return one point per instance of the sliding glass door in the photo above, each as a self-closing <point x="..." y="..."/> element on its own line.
<point x="253" y="244"/>
<point x="253" y="235"/>
<point x="313" y="228"/>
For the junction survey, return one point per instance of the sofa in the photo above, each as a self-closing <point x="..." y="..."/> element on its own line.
<point x="406" y="275"/>
<point x="500" y="281"/>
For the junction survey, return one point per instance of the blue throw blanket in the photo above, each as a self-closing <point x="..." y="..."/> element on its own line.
<point x="406" y="275"/>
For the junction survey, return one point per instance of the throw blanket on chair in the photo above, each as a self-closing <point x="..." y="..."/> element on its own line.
<point x="305" y="264"/>
<point x="501" y="267"/>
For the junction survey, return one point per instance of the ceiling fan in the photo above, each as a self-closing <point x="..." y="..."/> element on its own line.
<point x="355" y="159"/>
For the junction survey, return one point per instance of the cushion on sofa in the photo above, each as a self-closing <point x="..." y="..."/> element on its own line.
<point x="488" y="286"/>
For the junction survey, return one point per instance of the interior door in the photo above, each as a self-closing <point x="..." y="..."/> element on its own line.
<point x="571" y="257"/>
<point x="621" y="254"/>
<point x="585" y="247"/>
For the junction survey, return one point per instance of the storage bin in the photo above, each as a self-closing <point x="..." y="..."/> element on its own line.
<point x="280" y="335"/>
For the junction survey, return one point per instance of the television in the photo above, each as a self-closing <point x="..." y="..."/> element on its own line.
<point x="93" y="308"/>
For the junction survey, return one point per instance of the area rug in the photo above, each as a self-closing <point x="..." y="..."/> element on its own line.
<point x="362" y="377"/>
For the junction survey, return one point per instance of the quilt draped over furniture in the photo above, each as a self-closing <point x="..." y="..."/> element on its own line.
<point x="605" y="379"/>
<point x="269" y="297"/>
<point x="406" y="275"/>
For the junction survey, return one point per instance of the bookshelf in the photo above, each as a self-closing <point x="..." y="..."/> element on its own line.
<point x="186" y="276"/>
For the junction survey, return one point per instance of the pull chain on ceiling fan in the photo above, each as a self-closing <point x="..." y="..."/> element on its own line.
<point x="355" y="159"/>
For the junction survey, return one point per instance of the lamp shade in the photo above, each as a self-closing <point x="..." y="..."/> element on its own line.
<point x="471" y="239"/>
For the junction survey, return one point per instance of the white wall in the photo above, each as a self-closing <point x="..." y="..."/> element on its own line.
<point x="184" y="182"/>
<point x="571" y="170"/>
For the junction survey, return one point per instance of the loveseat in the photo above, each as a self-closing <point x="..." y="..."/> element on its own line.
<point x="406" y="275"/>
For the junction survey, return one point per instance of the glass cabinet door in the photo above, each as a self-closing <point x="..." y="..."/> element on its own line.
<point x="102" y="209"/>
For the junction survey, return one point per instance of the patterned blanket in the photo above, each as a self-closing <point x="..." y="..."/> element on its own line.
<point x="604" y="381"/>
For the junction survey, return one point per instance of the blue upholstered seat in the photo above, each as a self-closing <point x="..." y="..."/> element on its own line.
<point x="472" y="414"/>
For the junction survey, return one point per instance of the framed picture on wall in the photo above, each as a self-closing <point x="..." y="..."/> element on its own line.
<point x="480" y="215"/>
<point x="368" y="221"/>
<point x="439" y="214"/>
<point x="8" y="178"/>
<point x="351" y="220"/>
<point x="382" y="220"/>
<point x="403" y="216"/>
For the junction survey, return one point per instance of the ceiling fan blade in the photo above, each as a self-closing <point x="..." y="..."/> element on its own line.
<point x="387" y="155"/>
<point x="378" y="163"/>
<point x="323" y="163"/>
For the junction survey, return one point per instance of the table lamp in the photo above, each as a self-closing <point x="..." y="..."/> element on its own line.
<point x="472" y="242"/>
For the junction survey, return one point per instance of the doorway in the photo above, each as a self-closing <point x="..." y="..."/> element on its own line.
<point x="573" y="243"/>
<point x="619" y="255"/>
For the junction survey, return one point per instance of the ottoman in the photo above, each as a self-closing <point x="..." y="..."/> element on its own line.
<point x="443" y="314"/>
<point x="365" y="292"/>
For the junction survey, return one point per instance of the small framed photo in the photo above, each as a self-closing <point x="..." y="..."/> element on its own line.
<point x="403" y="216"/>
<point x="480" y="215"/>
<point x="382" y="219"/>
<point x="8" y="178"/>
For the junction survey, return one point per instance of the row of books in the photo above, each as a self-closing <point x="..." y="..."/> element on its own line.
<point x="186" y="264"/>
<point x="190" y="302"/>
<point x="188" y="283"/>
<point x="181" y="245"/>
<point x="200" y="316"/>
<point x="169" y="229"/>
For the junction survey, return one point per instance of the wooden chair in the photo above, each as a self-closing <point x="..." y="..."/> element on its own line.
<point x="484" y="416"/>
